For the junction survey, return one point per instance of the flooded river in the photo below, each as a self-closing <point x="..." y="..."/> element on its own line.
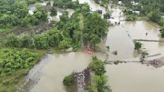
<point x="48" y="75"/>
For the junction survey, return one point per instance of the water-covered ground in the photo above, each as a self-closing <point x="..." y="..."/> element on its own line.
<point x="56" y="68"/>
<point x="135" y="77"/>
<point x="47" y="76"/>
<point x="120" y="38"/>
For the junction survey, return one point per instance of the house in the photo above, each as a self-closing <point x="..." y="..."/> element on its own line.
<point x="119" y="2"/>
<point x="136" y="12"/>
<point x="134" y="3"/>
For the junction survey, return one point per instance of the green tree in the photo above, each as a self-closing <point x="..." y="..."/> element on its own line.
<point x="96" y="26"/>
<point x="101" y="83"/>
<point x="40" y="14"/>
<point x="162" y="22"/>
<point x="12" y="41"/>
<point x="154" y="15"/>
<point x="162" y="32"/>
<point x="41" y="41"/>
<point x="53" y="11"/>
<point x="54" y="37"/>
<point x="65" y="43"/>
<point x="69" y="80"/>
<point x="27" y="41"/>
<point x="138" y="45"/>
<point x="97" y="66"/>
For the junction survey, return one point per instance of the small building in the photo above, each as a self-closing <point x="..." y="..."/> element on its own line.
<point x="134" y="3"/>
<point x="119" y="2"/>
<point x="136" y="12"/>
<point x="31" y="9"/>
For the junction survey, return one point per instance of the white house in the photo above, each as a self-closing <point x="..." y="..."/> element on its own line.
<point x="136" y="12"/>
<point x="119" y="2"/>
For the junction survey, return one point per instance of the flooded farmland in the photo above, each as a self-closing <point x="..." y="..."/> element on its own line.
<point x="126" y="77"/>
<point x="135" y="77"/>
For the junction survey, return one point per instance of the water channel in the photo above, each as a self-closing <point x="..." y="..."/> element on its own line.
<point x="47" y="76"/>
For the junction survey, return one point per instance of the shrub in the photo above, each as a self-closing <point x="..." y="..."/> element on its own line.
<point x="138" y="45"/>
<point x="130" y="17"/>
<point x="69" y="80"/>
<point x="97" y="66"/>
<point x="162" y="32"/>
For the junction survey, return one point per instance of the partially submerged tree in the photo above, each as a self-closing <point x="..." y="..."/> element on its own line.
<point x="69" y="80"/>
<point x="97" y="66"/>
<point x="138" y="45"/>
<point x="101" y="83"/>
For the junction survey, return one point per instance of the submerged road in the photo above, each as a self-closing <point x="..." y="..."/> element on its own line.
<point x="145" y="40"/>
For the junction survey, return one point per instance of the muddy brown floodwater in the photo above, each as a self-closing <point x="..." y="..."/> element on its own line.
<point x="120" y="38"/>
<point x="57" y="67"/>
<point x="135" y="77"/>
<point x="48" y="75"/>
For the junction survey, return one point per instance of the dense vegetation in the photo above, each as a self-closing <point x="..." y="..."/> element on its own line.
<point x="15" y="13"/>
<point x="162" y="32"/>
<point x="52" y="38"/>
<point x="138" y="45"/>
<point x="69" y="32"/>
<point x="100" y="79"/>
<point x="69" y="80"/>
<point x="83" y="27"/>
<point x="66" y="4"/>
<point x="153" y="9"/>
<point x="97" y="66"/>
<point x="14" y="65"/>
<point x="104" y="3"/>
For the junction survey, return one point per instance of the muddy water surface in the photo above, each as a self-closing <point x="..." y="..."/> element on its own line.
<point x="135" y="77"/>
<point x="120" y="38"/>
<point x="57" y="67"/>
<point x="128" y="77"/>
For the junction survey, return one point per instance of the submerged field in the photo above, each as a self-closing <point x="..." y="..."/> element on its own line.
<point x="42" y="41"/>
